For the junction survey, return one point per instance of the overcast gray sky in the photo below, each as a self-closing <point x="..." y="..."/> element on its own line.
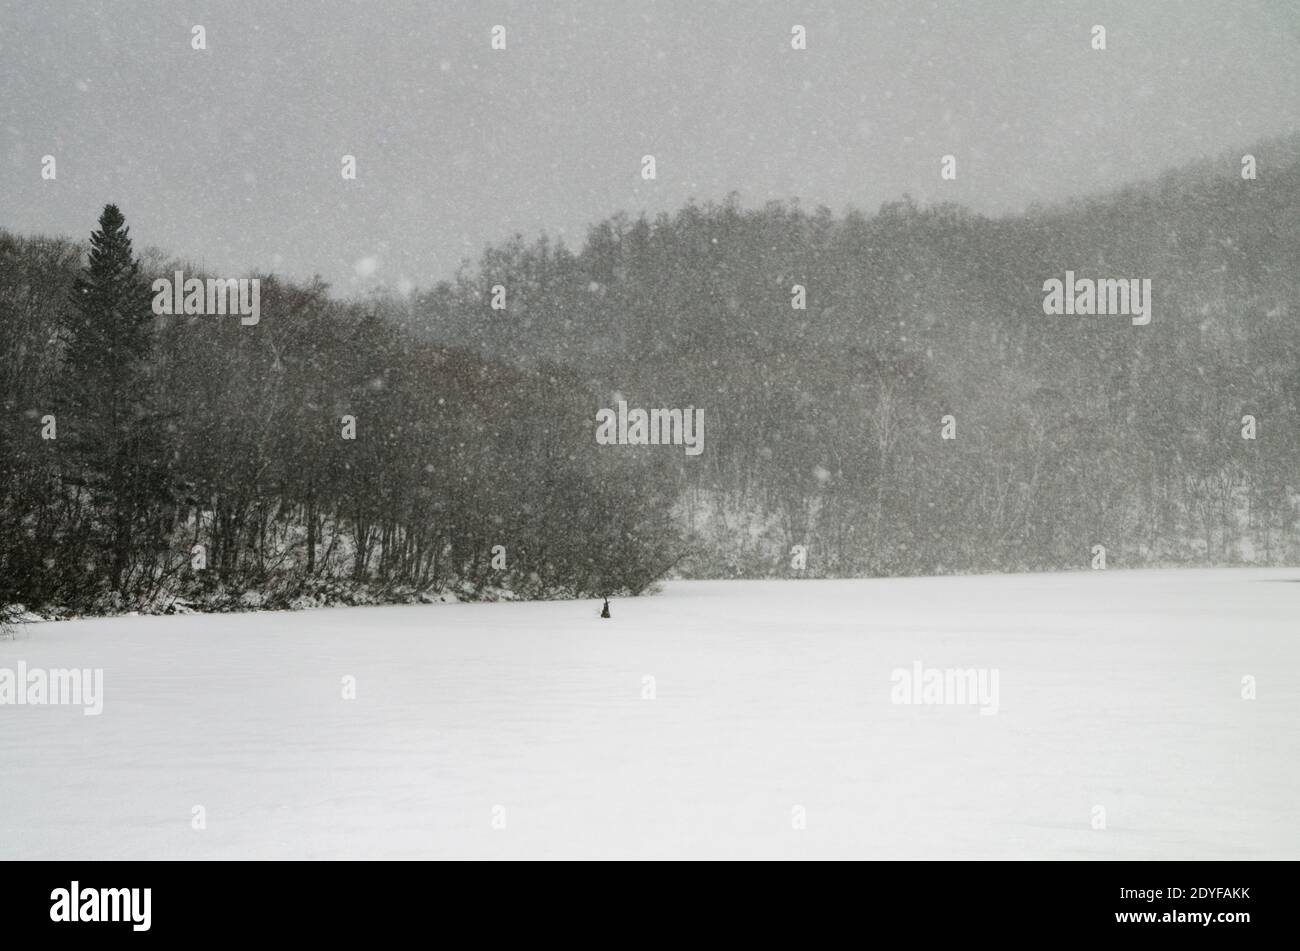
<point x="230" y="157"/>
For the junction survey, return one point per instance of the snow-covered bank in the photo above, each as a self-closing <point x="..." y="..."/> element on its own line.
<point x="1119" y="690"/>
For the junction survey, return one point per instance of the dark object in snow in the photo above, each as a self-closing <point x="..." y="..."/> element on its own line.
<point x="604" y="612"/>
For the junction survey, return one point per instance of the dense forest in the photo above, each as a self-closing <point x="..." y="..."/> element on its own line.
<point x="323" y="454"/>
<point x="883" y="391"/>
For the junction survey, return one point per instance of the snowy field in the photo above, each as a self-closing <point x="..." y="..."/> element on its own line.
<point x="1119" y="690"/>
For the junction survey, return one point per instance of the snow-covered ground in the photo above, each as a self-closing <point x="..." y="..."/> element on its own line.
<point x="1119" y="690"/>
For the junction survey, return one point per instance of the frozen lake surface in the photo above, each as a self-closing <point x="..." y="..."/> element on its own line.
<point x="525" y="730"/>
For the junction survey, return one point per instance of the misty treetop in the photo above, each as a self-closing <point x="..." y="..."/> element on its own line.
<point x="828" y="351"/>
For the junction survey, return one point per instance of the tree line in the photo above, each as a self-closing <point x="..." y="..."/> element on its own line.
<point x="1174" y="443"/>
<point x="881" y="391"/>
<point x="149" y="461"/>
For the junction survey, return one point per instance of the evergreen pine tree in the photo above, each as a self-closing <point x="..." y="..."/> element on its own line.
<point x="115" y="451"/>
